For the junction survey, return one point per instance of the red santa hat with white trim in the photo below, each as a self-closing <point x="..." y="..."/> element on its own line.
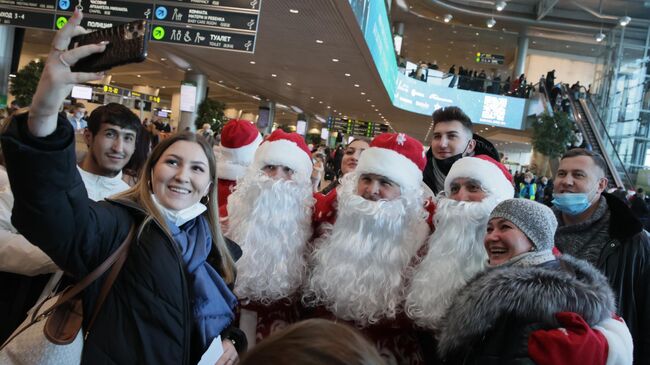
<point x="493" y="175"/>
<point x="285" y="149"/>
<point x="396" y="156"/>
<point x="239" y="141"/>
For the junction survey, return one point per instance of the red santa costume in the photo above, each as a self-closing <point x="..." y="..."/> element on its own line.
<point x="271" y="220"/>
<point x="358" y="266"/>
<point x="455" y="250"/>
<point x="239" y="140"/>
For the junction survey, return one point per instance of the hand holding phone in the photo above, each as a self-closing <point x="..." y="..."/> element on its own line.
<point x="127" y="43"/>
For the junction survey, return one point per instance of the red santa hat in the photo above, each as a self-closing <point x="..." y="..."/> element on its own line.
<point x="494" y="176"/>
<point x="396" y="156"/>
<point x="239" y="140"/>
<point x="285" y="149"/>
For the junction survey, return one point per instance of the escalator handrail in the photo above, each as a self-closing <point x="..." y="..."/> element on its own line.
<point x="547" y="100"/>
<point x="599" y="139"/>
<point x="580" y="117"/>
<point x="630" y="184"/>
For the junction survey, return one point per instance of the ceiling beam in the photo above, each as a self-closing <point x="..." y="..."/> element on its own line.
<point x="544" y="7"/>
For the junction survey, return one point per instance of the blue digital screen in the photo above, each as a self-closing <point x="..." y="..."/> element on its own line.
<point x="424" y="98"/>
<point x="373" y="20"/>
<point x="490" y="109"/>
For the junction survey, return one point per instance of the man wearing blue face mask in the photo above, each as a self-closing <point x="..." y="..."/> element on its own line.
<point x="600" y="228"/>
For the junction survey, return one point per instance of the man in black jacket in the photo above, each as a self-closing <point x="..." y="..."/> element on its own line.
<point x="452" y="140"/>
<point x="599" y="228"/>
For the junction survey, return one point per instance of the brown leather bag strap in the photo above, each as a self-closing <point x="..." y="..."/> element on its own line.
<point x="95" y="274"/>
<point x="112" y="275"/>
<point x="119" y="254"/>
<point x="110" y="279"/>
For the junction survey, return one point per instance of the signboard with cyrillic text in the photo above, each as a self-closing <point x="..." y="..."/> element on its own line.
<point x="225" y="24"/>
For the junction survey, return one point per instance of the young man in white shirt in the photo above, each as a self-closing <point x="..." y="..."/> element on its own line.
<point x="110" y="136"/>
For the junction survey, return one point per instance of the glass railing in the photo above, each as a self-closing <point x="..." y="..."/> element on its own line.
<point x="480" y="83"/>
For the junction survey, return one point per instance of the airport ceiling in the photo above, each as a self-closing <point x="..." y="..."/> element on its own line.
<point x="565" y="26"/>
<point x="315" y="59"/>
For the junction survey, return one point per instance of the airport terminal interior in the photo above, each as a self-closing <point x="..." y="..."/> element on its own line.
<point x="535" y="78"/>
<point x="324" y="67"/>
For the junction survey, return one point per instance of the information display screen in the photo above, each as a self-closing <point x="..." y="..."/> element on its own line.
<point x="422" y="98"/>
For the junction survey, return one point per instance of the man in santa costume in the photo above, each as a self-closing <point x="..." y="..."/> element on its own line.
<point x="269" y="216"/>
<point x="358" y="266"/>
<point x="473" y="187"/>
<point x="239" y="140"/>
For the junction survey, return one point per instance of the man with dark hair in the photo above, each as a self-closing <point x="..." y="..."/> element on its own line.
<point x="76" y="118"/>
<point x="600" y="228"/>
<point x="452" y="139"/>
<point x="110" y="136"/>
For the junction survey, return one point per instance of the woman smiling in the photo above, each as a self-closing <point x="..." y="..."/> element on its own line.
<point x="173" y="296"/>
<point x="529" y="306"/>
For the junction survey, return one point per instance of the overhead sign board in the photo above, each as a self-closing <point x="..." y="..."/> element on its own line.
<point x="26" y="18"/>
<point x="489" y="58"/>
<point x="206" y="17"/>
<point x="228" y="24"/>
<point x="34" y="4"/>
<point x="112" y="8"/>
<point x="204" y="38"/>
<point x="237" y="4"/>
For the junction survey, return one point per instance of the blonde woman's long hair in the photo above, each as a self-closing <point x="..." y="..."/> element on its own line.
<point x="141" y="192"/>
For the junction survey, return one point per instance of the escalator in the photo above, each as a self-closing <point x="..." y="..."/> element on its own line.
<point x="594" y="132"/>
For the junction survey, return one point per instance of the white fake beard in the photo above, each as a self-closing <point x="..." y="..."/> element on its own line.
<point x="359" y="265"/>
<point x="456" y="253"/>
<point x="271" y="221"/>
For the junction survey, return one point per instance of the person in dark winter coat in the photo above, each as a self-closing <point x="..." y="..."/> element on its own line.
<point x="529" y="306"/>
<point x="452" y="140"/>
<point x="172" y="297"/>
<point x="599" y="228"/>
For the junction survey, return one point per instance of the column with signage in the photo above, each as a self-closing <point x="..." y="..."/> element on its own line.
<point x="265" y="117"/>
<point x="193" y="90"/>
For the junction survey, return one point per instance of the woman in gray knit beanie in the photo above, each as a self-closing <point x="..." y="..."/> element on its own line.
<point x="520" y="231"/>
<point x="529" y="306"/>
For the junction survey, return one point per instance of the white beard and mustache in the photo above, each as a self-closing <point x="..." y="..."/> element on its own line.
<point x="455" y="255"/>
<point x="271" y="221"/>
<point x="359" y="265"/>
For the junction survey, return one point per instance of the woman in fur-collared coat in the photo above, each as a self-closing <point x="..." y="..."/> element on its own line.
<point x="530" y="307"/>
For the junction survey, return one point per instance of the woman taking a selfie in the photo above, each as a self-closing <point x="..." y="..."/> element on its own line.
<point x="172" y="298"/>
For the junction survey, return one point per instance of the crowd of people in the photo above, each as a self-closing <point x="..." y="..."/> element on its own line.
<point x="477" y="80"/>
<point x="409" y="255"/>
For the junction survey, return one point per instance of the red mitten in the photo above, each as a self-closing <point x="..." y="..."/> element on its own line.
<point x="573" y="343"/>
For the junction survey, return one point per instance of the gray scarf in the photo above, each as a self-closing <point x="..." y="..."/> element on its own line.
<point x="438" y="176"/>
<point x="584" y="240"/>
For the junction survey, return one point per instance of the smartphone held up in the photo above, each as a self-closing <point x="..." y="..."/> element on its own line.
<point x="127" y="43"/>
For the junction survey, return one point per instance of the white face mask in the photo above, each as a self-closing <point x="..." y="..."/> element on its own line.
<point x="180" y="217"/>
<point x="78" y="115"/>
